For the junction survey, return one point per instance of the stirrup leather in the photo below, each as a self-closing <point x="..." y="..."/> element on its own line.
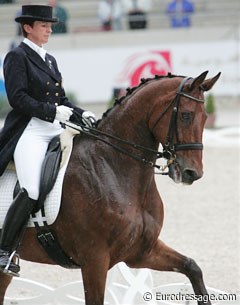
<point x="12" y="268"/>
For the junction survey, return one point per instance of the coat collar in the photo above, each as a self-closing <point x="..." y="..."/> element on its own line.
<point x="38" y="61"/>
<point x="40" y="50"/>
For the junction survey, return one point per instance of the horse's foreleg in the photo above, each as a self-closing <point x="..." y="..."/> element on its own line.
<point x="94" y="273"/>
<point x="4" y="282"/>
<point x="163" y="258"/>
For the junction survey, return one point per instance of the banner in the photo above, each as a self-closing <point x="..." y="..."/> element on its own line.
<point x="91" y="74"/>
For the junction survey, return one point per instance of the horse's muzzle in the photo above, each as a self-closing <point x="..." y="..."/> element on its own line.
<point x="180" y="175"/>
<point x="189" y="176"/>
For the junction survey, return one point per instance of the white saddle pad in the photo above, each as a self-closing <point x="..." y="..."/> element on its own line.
<point x="52" y="203"/>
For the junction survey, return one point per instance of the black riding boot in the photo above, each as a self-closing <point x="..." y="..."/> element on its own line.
<point x="13" y="228"/>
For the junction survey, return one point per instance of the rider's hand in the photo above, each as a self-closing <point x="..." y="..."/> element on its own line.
<point x="63" y="113"/>
<point x="88" y="118"/>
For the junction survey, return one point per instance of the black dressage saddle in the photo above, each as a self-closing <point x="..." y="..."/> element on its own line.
<point x="49" y="172"/>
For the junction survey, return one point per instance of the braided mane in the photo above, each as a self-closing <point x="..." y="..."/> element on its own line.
<point x="129" y="91"/>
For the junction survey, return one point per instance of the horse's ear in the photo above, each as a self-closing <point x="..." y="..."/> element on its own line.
<point x="208" y="83"/>
<point x="197" y="81"/>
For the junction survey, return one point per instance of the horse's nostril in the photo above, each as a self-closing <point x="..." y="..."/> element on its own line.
<point x="190" y="175"/>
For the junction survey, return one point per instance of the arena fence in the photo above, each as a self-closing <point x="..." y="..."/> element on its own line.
<point x="124" y="287"/>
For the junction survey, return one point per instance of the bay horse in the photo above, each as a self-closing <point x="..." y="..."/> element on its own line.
<point x="111" y="210"/>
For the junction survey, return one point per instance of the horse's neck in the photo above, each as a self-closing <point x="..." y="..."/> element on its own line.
<point x="128" y="121"/>
<point x="104" y="164"/>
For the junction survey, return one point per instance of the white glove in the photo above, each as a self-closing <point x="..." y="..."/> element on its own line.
<point x="88" y="118"/>
<point x="63" y="113"/>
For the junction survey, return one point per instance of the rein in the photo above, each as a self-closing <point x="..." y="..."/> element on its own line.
<point x="93" y="132"/>
<point x="169" y="148"/>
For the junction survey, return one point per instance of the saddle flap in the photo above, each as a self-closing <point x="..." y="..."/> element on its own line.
<point x="50" y="169"/>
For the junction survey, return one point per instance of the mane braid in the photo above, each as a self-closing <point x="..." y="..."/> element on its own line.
<point x="131" y="90"/>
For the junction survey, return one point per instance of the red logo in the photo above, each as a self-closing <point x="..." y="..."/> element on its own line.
<point x="144" y="65"/>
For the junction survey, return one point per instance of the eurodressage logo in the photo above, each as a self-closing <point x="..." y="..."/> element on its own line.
<point x="144" y="65"/>
<point x="2" y="86"/>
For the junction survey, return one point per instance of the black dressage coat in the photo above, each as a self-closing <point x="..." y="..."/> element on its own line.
<point x="34" y="89"/>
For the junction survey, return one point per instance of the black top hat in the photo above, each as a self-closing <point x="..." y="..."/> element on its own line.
<point x="36" y="12"/>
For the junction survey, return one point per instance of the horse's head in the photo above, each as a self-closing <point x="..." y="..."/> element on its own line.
<point x="179" y="124"/>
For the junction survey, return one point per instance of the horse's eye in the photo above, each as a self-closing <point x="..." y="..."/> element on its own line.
<point x="186" y="117"/>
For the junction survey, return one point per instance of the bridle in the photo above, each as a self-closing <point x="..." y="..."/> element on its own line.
<point x="169" y="147"/>
<point x="172" y="143"/>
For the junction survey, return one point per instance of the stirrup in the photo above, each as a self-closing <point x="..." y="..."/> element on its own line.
<point x="8" y="271"/>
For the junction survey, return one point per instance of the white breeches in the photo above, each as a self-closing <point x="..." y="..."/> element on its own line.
<point x="30" y="153"/>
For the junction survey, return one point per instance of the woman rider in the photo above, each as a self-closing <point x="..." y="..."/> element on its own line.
<point x="34" y="89"/>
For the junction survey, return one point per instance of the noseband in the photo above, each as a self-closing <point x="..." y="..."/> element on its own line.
<point x="172" y="143"/>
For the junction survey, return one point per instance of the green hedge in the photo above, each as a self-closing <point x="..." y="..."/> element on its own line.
<point x="4" y="106"/>
<point x="210" y="104"/>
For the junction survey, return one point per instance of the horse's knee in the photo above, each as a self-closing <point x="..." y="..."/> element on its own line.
<point x="192" y="269"/>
